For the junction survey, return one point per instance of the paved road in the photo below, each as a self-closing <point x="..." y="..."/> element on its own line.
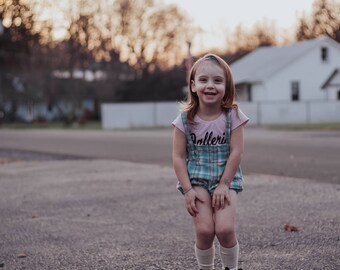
<point x="309" y="154"/>
<point x="115" y="215"/>
<point x="107" y="214"/>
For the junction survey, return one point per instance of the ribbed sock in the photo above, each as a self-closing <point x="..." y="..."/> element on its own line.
<point x="229" y="256"/>
<point x="205" y="258"/>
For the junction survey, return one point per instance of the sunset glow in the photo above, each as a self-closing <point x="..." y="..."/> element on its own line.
<point x="214" y="25"/>
<point x="218" y="17"/>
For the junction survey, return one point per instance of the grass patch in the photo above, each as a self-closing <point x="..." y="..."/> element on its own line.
<point x="91" y="125"/>
<point x="310" y="126"/>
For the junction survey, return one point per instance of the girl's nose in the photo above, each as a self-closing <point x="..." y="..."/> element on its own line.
<point x="210" y="84"/>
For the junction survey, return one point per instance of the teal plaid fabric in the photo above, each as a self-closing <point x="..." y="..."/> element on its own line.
<point x="207" y="162"/>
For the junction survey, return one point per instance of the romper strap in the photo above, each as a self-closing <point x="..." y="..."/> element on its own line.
<point x="187" y="130"/>
<point x="228" y="125"/>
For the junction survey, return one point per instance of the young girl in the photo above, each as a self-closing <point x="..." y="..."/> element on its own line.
<point x="207" y="150"/>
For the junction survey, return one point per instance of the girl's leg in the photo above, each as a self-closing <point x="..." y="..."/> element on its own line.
<point x="226" y="233"/>
<point x="204" y="230"/>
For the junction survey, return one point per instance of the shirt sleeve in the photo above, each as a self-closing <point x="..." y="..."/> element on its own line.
<point x="238" y="118"/>
<point x="178" y="123"/>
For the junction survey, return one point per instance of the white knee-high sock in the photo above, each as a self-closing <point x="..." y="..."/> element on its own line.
<point x="229" y="256"/>
<point x="205" y="258"/>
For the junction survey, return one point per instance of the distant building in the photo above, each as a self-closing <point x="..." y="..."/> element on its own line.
<point x="288" y="82"/>
<point x="299" y="72"/>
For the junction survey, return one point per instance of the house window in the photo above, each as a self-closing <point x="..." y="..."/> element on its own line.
<point x="295" y="86"/>
<point x="250" y="98"/>
<point x="324" y="54"/>
<point x="338" y="95"/>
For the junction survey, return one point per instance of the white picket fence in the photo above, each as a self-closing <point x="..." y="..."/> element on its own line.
<point x="138" y="115"/>
<point x="161" y="114"/>
<point x="278" y="112"/>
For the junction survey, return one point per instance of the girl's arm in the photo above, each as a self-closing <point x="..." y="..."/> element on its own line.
<point x="234" y="160"/>
<point x="179" y="156"/>
<point x="236" y="152"/>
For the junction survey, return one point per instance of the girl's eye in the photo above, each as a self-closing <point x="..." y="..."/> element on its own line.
<point x="203" y="80"/>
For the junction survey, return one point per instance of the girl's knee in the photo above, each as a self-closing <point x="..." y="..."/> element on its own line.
<point x="205" y="232"/>
<point x="224" y="232"/>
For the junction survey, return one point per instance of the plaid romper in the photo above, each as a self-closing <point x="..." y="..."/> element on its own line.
<point x="206" y="163"/>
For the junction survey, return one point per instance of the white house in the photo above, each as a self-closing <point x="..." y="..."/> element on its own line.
<point x="290" y="84"/>
<point x="296" y="72"/>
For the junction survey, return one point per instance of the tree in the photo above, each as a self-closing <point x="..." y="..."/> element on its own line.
<point x="133" y="42"/>
<point x="303" y="30"/>
<point x="238" y="40"/>
<point x="324" y="20"/>
<point x="243" y="41"/>
<point x="149" y="35"/>
<point x="17" y="46"/>
<point x="265" y="33"/>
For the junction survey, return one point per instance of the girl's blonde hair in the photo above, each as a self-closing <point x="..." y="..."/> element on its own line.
<point x="192" y="102"/>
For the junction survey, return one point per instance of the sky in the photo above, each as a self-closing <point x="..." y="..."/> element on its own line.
<point x="216" y="17"/>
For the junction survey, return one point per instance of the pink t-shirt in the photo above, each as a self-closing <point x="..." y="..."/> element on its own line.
<point x="212" y="132"/>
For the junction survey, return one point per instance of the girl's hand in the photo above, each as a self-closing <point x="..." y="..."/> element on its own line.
<point x="221" y="197"/>
<point x="190" y="202"/>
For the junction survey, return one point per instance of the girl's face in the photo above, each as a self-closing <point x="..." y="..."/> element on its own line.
<point x="209" y="83"/>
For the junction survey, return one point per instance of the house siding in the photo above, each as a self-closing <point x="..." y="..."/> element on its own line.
<point x="309" y="71"/>
<point x="260" y="92"/>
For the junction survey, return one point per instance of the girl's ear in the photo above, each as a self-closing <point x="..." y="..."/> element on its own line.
<point x="192" y="83"/>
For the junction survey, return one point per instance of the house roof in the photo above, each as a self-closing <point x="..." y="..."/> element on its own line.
<point x="266" y="61"/>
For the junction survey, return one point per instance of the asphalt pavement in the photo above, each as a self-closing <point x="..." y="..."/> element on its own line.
<point x="71" y="213"/>
<point x="299" y="154"/>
